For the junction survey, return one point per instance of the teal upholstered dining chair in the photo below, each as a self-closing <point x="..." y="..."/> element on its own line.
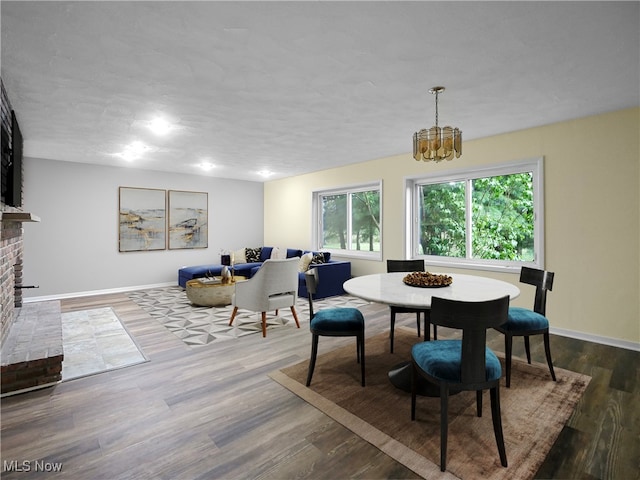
<point x="462" y="365"/>
<point x="523" y="322"/>
<point x="408" y="266"/>
<point x="333" y="322"/>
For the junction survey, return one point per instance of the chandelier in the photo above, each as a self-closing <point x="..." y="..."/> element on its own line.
<point x="437" y="143"/>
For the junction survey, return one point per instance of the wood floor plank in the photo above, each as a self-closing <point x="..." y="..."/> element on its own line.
<point x="212" y="412"/>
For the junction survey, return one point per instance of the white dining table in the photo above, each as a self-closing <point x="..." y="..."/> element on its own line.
<point x="388" y="288"/>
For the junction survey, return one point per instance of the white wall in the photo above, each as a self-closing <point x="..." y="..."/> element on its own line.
<point x="74" y="249"/>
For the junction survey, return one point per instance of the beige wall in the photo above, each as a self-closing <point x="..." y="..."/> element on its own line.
<point x="592" y="214"/>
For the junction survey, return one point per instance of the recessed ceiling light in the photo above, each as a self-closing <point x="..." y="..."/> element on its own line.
<point x="160" y="126"/>
<point x="133" y="151"/>
<point x="265" y="173"/>
<point x="207" y="166"/>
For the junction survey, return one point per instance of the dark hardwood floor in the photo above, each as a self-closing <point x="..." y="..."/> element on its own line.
<point x="212" y="412"/>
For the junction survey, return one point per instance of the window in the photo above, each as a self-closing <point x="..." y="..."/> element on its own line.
<point x="347" y="221"/>
<point x="488" y="218"/>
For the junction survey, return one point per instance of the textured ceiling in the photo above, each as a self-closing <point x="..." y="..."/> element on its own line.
<point x="296" y="87"/>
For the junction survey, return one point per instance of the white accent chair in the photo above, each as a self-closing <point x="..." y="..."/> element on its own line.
<point x="272" y="287"/>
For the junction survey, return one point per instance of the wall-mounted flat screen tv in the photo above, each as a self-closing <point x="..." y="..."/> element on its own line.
<point x="12" y="164"/>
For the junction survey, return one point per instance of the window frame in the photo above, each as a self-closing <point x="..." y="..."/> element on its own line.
<point x="317" y="219"/>
<point x="535" y="166"/>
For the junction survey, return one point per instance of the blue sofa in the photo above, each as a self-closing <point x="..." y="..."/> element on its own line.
<point x="331" y="274"/>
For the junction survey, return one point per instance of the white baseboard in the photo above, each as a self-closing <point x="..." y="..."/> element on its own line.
<point x="614" y="342"/>
<point x="96" y="292"/>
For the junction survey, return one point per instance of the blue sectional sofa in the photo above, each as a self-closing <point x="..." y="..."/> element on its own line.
<point x="331" y="273"/>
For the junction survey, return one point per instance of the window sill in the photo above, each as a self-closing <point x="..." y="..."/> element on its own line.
<point x="355" y="255"/>
<point x="462" y="264"/>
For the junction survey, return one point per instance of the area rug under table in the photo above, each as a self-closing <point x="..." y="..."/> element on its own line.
<point x="534" y="411"/>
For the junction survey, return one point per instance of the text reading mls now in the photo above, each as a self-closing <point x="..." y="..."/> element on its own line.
<point x="30" y="466"/>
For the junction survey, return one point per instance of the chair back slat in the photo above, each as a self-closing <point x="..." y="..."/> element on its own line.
<point x="543" y="281"/>
<point x="311" y="279"/>
<point x="473" y="318"/>
<point x="405" y="266"/>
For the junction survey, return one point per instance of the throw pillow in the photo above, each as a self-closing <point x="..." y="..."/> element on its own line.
<point x="305" y="260"/>
<point x="238" y="256"/>
<point x="252" y="254"/>
<point x="279" y="253"/>
<point x="318" y="257"/>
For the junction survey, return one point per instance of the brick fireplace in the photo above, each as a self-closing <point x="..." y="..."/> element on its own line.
<point x="11" y="250"/>
<point x="31" y="335"/>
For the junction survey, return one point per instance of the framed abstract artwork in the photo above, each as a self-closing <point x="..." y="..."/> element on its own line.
<point x="142" y="220"/>
<point x="188" y="219"/>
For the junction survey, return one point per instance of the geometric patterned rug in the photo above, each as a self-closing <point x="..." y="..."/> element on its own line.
<point x="197" y="326"/>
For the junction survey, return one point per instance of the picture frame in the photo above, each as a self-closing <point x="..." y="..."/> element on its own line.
<point x="188" y="219"/>
<point x="142" y="219"/>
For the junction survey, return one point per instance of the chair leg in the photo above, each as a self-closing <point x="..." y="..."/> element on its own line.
<point x="418" y="323"/>
<point x="508" y="344"/>
<point x="527" y="349"/>
<point x="393" y="326"/>
<point x="361" y="351"/>
<point x="479" y="402"/>
<point x="427" y="327"/>
<point x="444" y="424"/>
<point x="264" y="324"/>
<point x="295" y="316"/>
<point x="414" y="390"/>
<point x="233" y="315"/>
<point x="312" y="360"/>
<point x="497" y="424"/>
<point x="547" y="351"/>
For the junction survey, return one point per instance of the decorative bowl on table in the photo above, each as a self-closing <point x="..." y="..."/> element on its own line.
<point x="427" y="280"/>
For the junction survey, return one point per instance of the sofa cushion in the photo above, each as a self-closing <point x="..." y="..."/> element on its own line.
<point x="252" y="255"/>
<point x="246" y="269"/>
<point x="292" y="252"/>
<point x="267" y="252"/>
<point x="238" y="256"/>
<point x="332" y="276"/>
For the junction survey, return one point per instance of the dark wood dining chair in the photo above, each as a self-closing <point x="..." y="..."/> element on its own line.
<point x="408" y="266"/>
<point x="523" y="322"/>
<point x="462" y="365"/>
<point x="333" y="322"/>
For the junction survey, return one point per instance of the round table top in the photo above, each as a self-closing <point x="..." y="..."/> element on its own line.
<point x="389" y="288"/>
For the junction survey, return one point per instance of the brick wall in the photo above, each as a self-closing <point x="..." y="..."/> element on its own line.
<point x="11" y="248"/>
<point x="11" y="235"/>
<point x="33" y="353"/>
<point x="11" y="239"/>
